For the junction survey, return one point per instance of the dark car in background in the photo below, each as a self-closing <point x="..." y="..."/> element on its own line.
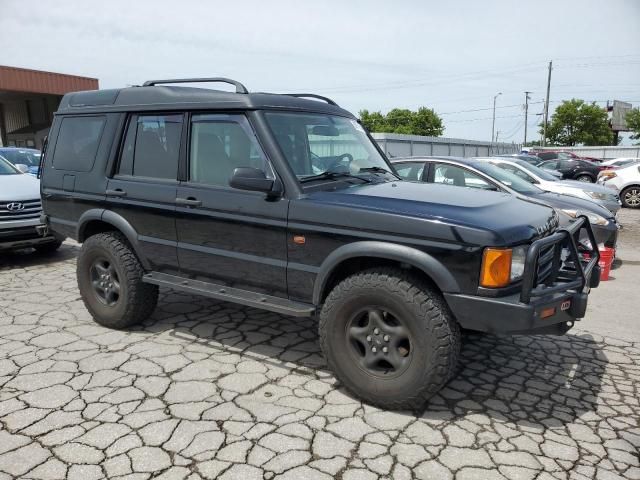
<point x="580" y="170"/>
<point x="472" y="173"/>
<point x="30" y="157"/>
<point x="560" y="155"/>
<point x="531" y="160"/>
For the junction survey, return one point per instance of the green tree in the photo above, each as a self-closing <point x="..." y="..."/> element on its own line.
<point x="576" y="122"/>
<point x="633" y="122"/>
<point x="425" y="121"/>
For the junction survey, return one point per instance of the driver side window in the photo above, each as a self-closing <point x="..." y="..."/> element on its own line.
<point x="219" y="145"/>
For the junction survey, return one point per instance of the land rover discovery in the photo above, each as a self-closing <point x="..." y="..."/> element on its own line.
<point x="284" y="202"/>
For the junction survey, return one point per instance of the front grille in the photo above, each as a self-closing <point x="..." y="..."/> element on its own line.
<point x="11" y="211"/>
<point x="545" y="264"/>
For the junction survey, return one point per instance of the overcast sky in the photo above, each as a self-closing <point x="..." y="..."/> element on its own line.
<point x="452" y="56"/>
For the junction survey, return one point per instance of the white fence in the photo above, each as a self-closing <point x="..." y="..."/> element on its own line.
<point x="605" y="153"/>
<point x="398" y="145"/>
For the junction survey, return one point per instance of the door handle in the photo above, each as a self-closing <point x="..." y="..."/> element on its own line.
<point x="118" y="192"/>
<point x="188" y="202"/>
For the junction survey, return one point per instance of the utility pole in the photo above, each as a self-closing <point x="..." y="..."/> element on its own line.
<point x="546" y="107"/>
<point x="526" y="112"/>
<point x="493" y="124"/>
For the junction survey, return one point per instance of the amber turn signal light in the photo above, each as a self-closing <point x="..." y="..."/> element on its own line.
<point x="496" y="267"/>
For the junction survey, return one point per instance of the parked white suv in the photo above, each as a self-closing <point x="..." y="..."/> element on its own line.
<point x="20" y="209"/>
<point x="532" y="174"/>
<point x="625" y="180"/>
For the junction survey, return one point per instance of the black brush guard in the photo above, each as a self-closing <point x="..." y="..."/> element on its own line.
<point x="559" y="271"/>
<point x="578" y="271"/>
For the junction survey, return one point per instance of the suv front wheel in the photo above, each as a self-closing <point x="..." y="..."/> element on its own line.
<point x="389" y="338"/>
<point x="110" y="281"/>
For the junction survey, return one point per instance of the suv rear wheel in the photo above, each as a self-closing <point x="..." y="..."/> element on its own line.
<point x="110" y="281"/>
<point x="389" y="338"/>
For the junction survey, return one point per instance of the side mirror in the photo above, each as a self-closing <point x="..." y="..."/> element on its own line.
<point x="22" y="167"/>
<point x="253" y="179"/>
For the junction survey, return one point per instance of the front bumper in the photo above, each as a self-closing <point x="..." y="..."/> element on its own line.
<point x="551" y="306"/>
<point x="25" y="237"/>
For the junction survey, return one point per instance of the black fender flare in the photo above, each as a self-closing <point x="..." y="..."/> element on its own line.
<point x="119" y="223"/>
<point x="389" y="251"/>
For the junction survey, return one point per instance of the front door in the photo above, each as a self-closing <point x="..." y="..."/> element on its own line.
<point x="144" y="188"/>
<point x="225" y="235"/>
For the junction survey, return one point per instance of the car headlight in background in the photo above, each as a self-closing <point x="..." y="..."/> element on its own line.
<point x="602" y="196"/>
<point x="594" y="218"/>
<point x="501" y="266"/>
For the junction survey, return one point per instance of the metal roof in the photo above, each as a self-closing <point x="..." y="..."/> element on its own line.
<point x="161" y="97"/>
<point x="23" y="80"/>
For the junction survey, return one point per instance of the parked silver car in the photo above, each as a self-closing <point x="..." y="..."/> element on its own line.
<point x="532" y="174"/>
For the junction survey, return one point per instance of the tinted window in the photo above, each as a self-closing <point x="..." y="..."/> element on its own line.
<point x="567" y="163"/>
<point x="220" y="144"/>
<point x="77" y="143"/>
<point x="410" y="170"/>
<point x="152" y="146"/>
<point x="549" y="165"/>
<point x="460" y="177"/>
<point x="547" y="155"/>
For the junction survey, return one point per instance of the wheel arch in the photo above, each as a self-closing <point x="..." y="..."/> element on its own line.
<point x="341" y="261"/>
<point x="99" y="221"/>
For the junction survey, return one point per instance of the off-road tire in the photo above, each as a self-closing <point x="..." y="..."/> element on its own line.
<point x="137" y="299"/>
<point x="436" y="337"/>
<point x="627" y="191"/>
<point x="48" y="248"/>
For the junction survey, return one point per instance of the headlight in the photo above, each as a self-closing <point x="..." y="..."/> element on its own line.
<point x="601" y="196"/>
<point x="594" y="218"/>
<point x="518" y="256"/>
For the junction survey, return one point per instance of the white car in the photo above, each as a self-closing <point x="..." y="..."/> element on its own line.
<point x="20" y="209"/>
<point x="542" y="179"/>
<point x="625" y="180"/>
<point x="620" y="162"/>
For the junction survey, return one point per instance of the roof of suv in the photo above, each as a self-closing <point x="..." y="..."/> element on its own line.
<point x="152" y="96"/>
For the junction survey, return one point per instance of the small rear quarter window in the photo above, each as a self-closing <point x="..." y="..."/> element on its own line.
<point x="77" y="143"/>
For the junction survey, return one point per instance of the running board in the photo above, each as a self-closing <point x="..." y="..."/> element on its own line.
<point x="229" y="294"/>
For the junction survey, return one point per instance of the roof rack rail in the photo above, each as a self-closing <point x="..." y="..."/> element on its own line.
<point x="240" y="88"/>
<point x="312" y="95"/>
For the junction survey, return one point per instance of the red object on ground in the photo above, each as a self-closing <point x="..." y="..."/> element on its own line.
<point x="606" y="260"/>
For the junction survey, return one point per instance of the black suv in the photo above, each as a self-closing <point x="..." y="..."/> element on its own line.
<point x="285" y="203"/>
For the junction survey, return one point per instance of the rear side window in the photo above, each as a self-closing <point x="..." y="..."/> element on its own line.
<point x="152" y="146"/>
<point x="411" y="171"/>
<point x="77" y="143"/>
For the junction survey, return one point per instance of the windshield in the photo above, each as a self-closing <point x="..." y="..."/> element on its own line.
<point x="6" y="168"/>
<point x="537" y="171"/>
<point x="507" y="178"/>
<point x="316" y="144"/>
<point x="30" y="158"/>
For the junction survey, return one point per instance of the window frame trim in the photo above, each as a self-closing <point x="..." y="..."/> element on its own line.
<point x="100" y="138"/>
<point x="116" y="175"/>
<point x="186" y="179"/>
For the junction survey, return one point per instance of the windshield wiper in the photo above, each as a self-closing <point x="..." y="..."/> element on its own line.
<point x="378" y="170"/>
<point x="329" y="175"/>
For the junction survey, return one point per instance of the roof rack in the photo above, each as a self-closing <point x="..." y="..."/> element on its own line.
<point x="312" y="95"/>
<point x="240" y="88"/>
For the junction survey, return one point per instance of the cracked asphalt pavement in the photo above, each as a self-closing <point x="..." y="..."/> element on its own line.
<point x="213" y="390"/>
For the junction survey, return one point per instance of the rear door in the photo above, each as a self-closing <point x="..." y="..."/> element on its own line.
<point x="225" y="235"/>
<point x="143" y="189"/>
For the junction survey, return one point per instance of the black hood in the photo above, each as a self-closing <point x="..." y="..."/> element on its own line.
<point x="438" y="212"/>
